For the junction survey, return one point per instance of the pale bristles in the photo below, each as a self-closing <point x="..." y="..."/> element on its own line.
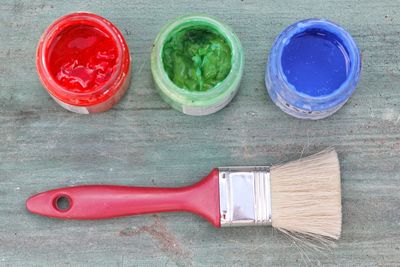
<point x="306" y="196"/>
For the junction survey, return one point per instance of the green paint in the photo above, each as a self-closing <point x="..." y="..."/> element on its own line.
<point x="196" y="59"/>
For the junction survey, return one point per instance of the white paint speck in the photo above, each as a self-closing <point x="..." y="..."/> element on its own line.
<point x="391" y="115"/>
<point x="388" y="115"/>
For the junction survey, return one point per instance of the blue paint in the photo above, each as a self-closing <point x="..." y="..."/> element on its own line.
<point x="313" y="69"/>
<point x="315" y="62"/>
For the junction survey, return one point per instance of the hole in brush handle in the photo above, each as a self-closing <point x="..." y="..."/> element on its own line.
<point x="62" y="203"/>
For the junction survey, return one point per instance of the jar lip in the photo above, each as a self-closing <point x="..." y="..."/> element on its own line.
<point x="188" y="22"/>
<point x="342" y="92"/>
<point x="59" y="25"/>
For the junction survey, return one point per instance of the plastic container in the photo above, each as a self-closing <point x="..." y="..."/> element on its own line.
<point x="197" y="102"/>
<point x="313" y="69"/>
<point x="83" y="62"/>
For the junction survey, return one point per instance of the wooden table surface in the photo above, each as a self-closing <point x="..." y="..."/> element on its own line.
<point x="142" y="141"/>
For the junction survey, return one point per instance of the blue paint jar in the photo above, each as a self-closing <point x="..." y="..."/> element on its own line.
<point x="313" y="68"/>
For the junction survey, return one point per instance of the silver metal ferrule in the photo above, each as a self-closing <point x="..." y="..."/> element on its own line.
<point x="245" y="196"/>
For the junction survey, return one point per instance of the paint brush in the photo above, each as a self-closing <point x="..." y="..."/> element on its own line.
<point x="300" y="197"/>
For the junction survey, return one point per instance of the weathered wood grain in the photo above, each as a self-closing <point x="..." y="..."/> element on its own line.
<point x="141" y="141"/>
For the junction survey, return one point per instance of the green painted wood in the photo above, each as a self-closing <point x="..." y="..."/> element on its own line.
<point x="141" y="141"/>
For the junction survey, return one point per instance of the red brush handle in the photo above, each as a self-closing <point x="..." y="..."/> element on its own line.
<point x="91" y="202"/>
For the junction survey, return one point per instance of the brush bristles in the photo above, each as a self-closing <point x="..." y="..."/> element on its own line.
<point x="306" y="196"/>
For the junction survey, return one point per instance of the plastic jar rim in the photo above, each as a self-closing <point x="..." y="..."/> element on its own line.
<point x="340" y="94"/>
<point x="57" y="27"/>
<point x="181" y="94"/>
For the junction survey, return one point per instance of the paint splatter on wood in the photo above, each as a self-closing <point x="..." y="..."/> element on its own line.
<point x="164" y="239"/>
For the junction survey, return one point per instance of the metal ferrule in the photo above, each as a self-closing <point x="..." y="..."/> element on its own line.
<point x="245" y="196"/>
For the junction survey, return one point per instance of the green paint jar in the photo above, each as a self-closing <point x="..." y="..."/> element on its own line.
<point x="197" y="64"/>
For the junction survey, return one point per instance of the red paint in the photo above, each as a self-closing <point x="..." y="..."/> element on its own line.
<point x="82" y="58"/>
<point x="107" y="201"/>
<point x="83" y="61"/>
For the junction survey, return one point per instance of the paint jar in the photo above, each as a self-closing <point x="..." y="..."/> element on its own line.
<point x="313" y="68"/>
<point x="197" y="64"/>
<point x="83" y="61"/>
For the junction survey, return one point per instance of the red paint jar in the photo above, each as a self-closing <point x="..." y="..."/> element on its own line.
<point x="83" y="61"/>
